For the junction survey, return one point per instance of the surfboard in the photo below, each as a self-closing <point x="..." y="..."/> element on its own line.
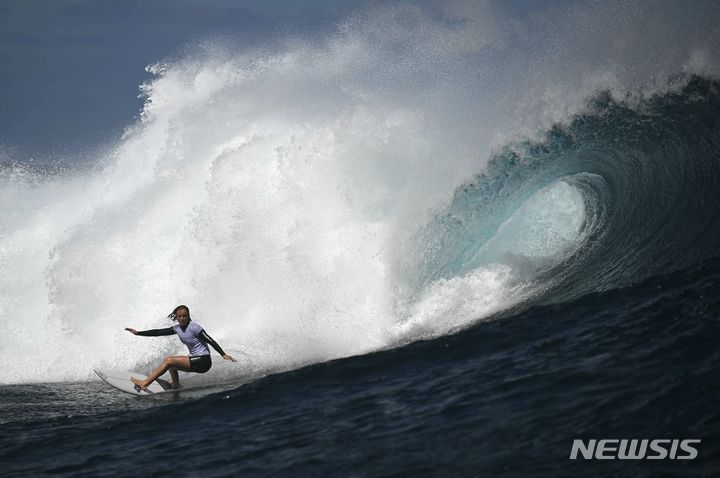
<point x="121" y="380"/>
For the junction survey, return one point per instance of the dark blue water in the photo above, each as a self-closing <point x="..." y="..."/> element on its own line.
<point x="506" y="397"/>
<point x="623" y="341"/>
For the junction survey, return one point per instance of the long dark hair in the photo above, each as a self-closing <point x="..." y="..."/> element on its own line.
<point x="173" y="314"/>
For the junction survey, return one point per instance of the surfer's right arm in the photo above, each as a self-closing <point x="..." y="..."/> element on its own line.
<point x="152" y="332"/>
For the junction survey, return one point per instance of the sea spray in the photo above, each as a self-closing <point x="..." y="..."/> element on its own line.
<point x="334" y="196"/>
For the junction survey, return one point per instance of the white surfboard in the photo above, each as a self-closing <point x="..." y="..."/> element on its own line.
<point x="121" y="381"/>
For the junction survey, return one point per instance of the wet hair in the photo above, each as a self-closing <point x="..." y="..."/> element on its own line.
<point x="173" y="314"/>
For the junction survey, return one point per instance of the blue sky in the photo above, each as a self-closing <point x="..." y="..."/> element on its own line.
<point x="71" y="68"/>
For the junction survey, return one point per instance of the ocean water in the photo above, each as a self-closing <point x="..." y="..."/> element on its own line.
<point x="436" y="247"/>
<point x="506" y="397"/>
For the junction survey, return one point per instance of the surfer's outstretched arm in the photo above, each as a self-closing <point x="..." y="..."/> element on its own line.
<point x="152" y="332"/>
<point x="204" y="335"/>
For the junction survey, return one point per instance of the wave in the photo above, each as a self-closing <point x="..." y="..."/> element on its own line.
<point x="620" y="193"/>
<point x="330" y="197"/>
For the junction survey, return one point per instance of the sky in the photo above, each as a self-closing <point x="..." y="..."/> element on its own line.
<point x="71" y="69"/>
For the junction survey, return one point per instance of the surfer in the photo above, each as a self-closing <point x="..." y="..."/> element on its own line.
<point x="192" y="335"/>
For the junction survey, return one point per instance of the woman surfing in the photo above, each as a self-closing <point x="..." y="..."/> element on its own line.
<point x="197" y="341"/>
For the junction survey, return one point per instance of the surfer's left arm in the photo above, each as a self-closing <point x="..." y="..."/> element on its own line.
<point x="204" y="335"/>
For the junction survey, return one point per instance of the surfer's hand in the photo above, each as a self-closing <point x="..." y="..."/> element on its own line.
<point x="132" y="331"/>
<point x="228" y="357"/>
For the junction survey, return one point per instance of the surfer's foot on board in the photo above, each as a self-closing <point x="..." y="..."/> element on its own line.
<point x="139" y="385"/>
<point x="168" y="384"/>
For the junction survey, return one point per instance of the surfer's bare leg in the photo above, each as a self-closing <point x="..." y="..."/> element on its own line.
<point x="174" y="378"/>
<point x="178" y="362"/>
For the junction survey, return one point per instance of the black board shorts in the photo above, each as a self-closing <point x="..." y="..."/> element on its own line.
<point x="200" y="363"/>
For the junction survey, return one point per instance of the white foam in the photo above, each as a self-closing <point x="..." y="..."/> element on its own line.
<point x="273" y="193"/>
